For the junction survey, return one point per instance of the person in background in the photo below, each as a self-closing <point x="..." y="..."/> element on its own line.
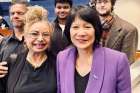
<point x="4" y="28"/>
<point x="12" y="45"/>
<point x="117" y="34"/>
<point x="34" y="70"/>
<point x="3" y="23"/>
<point x="62" y="9"/>
<point x="86" y="66"/>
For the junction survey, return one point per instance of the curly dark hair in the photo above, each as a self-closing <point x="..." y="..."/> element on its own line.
<point x="92" y="3"/>
<point x="112" y="1"/>
<point x="70" y="2"/>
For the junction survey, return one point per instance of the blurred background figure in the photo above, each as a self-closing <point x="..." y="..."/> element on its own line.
<point x="117" y="34"/>
<point x="3" y="24"/>
<point x="62" y="10"/>
<point x="130" y="14"/>
<point x="13" y="44"/>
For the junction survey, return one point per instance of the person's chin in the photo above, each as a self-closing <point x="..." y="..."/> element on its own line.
<point x="62" y="17"/>
<point x="39" y="50"/>
<point x="104" y="14"/>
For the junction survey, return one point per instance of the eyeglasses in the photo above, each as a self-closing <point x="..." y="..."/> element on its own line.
<point x="35" y="35"/>
<point x="102" y="1"/>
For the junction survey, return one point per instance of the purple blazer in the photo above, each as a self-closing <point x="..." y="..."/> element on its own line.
<point x="109" y="73"/>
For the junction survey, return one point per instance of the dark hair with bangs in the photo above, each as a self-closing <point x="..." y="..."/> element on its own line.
<point x="70" y="2"/>
<point x="87" y="14"/>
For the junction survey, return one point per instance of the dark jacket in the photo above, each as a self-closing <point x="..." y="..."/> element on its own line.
<point x="9" y="46"/>
<point x="11" y="81"/>
<point x="59" y="41"/>
<point x="123" y="37"/>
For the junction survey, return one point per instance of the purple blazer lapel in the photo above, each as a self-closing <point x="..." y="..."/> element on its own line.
<point x="70" y="69"/>
<point x="97" y="72"/>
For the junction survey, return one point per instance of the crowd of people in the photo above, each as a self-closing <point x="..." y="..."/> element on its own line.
<point x="86" y="49"/>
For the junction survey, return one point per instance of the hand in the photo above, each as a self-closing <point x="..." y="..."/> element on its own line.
<point x="3" y="69"/>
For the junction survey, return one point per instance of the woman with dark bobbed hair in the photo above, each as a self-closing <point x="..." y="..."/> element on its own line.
<point x="85" y="66"/>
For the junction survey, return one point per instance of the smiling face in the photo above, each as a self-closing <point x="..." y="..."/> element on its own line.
<point x="104" y="7"/>
<point x="38" y="36"/>
<point x="62" y="10"/>
<point x="82" y="34"/>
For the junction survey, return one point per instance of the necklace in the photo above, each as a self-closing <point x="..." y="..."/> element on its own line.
<point x="35" y="63"/>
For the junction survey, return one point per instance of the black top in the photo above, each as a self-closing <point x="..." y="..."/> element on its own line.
<point x="24" y="78"/>
<point x="39" y="80"/>
<point x="80" y="82"/>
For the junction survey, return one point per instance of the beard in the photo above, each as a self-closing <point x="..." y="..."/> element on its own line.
<point x="107" y="13"/>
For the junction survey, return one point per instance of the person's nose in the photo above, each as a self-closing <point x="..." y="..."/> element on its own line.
<point x="62" y="9"/>
<point x="40" y="37"/>
<point x="81" y="33"/>
<point x="15" y="15"/>
<point x="102" y="3"/>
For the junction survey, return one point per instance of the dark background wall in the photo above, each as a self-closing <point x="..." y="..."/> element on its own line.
<point x="49" y="4"/>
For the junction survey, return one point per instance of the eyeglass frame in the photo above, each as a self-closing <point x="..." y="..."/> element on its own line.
<point x="36" y="35"/>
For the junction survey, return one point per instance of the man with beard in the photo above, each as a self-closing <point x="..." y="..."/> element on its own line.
<point x="59" y="41"/>
<point x="12" y="45"/>
<point x="117" y="34"/>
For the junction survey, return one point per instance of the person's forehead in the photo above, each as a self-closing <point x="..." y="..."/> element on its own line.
<point x="62" y="4"/>
<point x="21" y="7"/>
<point x="18" y="6"/>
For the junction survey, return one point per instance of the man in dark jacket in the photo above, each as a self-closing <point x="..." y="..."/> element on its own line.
<point x="59" y="41"/>
<point x="12" y="45"/>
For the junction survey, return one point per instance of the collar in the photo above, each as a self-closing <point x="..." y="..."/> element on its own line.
<point x="14" y="38"/>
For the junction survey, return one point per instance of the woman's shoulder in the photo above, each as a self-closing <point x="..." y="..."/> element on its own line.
<point x="115" y="57"/>
<point x="67" y="51"/>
